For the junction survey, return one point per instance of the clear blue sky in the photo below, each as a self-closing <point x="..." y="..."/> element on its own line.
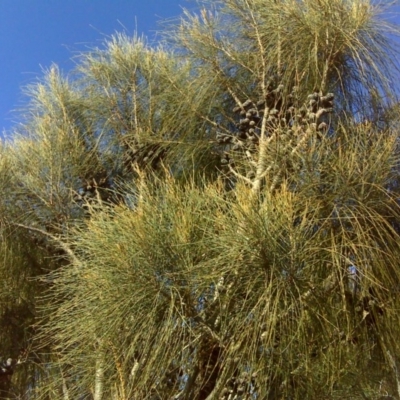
<point x="36" y="33"/>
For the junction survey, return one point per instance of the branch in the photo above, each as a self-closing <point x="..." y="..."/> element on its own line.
<point x="239" y="176"/>
<point x="63" y="245"/>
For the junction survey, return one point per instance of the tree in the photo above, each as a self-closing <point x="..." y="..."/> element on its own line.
<point x="214" y="218"/>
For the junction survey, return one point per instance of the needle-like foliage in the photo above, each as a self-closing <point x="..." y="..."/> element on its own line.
<point x="194" y="294"/>
<point x="213" y="218"/>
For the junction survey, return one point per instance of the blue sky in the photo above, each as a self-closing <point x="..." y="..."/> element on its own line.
<point x="36" y="33"/>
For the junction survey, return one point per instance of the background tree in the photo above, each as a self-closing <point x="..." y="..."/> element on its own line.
<point x="216" y="217"/>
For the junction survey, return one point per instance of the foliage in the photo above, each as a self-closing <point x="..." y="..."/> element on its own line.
<point x="213" y="218"/>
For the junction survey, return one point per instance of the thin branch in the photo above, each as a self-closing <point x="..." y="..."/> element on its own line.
<point x="63" y="245"/>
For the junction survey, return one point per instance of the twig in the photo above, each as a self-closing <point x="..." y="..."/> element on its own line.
<point x="63" y="245"/>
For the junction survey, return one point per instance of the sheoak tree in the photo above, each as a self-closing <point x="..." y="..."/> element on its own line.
<point x="215" y="217"/>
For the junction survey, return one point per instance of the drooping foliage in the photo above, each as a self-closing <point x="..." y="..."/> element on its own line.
<point x="216" y="217"/>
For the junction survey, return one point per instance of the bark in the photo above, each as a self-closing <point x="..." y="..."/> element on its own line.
<point x="99" y="377"/>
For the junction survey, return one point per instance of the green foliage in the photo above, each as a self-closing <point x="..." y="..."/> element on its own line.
<point x="192" y="284"/>
<point x="209" y="218"/>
